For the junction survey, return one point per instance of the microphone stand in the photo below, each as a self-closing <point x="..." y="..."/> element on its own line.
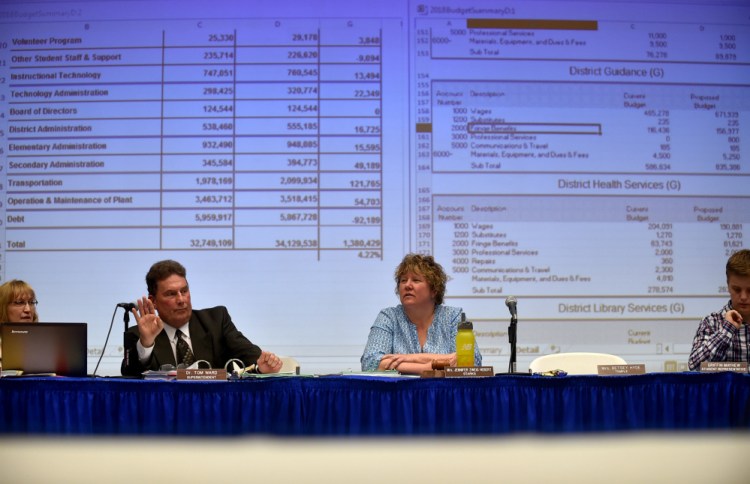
<point x="126" y="320"/>
<point x="512" y="340"/>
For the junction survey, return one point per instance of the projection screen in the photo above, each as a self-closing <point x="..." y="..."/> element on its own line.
<point x="584" y="157"/>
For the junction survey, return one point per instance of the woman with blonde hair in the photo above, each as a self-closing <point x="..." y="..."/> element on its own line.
<point x="18" y="303"/>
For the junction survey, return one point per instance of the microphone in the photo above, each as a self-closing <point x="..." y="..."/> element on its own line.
<point x="511" y="302"/>
<point x="130" y="306"/>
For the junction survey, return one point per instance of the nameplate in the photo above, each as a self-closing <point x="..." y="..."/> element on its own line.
<point x="715" y="366"/>
<point x="621" y="369"/>
<point x="468" y="371"/>
<point x="199" y="374"/>
<point x="433" y="374"/>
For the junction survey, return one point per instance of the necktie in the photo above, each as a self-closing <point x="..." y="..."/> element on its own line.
<point x="184" y="353"/>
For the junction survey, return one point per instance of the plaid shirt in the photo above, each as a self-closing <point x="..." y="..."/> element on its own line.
<point x="718" y="340"/>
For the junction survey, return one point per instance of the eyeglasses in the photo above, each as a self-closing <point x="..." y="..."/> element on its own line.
<point x="22" y="304"/>
<point x="200" y="364"/>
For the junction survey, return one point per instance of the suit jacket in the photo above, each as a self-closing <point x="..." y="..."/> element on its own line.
<point x="213" y="336"/>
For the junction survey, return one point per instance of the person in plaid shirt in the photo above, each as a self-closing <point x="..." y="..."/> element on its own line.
<point x="725" y="335"/>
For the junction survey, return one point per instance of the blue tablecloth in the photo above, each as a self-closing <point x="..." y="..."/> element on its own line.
<point x="346" y="405"/>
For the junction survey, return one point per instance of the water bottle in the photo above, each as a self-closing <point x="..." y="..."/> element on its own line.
<point x="465" y="343"/>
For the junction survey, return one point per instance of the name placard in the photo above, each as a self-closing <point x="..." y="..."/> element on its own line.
<point x="637" y="369"/>
<point x="469" y="371"/>
<point x="199" y="374"/>
<point x="433" y="374"/>
<point x="716" y="366"/>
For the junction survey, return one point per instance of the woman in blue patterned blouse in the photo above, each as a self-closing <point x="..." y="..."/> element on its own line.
<point x="421" y="329"/>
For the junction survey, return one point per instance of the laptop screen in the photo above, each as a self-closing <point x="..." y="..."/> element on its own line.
<point x="59" y="348"/>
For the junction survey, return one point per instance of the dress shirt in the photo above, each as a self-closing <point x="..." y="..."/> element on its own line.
<point x="145" y="353"/>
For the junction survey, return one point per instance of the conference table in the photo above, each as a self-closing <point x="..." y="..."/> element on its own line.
<point x="359" y="405"/>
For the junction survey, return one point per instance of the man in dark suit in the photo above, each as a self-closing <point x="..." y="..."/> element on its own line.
<point x="169" y="331"/>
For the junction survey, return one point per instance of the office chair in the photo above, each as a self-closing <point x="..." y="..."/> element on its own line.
<point x="289" y="365"/>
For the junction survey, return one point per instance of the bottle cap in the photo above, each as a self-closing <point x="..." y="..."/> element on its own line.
<point x="465" y="325"/>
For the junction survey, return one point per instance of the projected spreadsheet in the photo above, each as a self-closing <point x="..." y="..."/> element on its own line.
<point x="201" y="135"/>
<point x="588" y="158"/>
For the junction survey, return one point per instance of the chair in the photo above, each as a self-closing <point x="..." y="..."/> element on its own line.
<point x="289" y="365"/>
<point x="574" y="363"/>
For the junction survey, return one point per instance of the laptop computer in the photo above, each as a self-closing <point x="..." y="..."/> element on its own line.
<point x="59" y="348"/>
